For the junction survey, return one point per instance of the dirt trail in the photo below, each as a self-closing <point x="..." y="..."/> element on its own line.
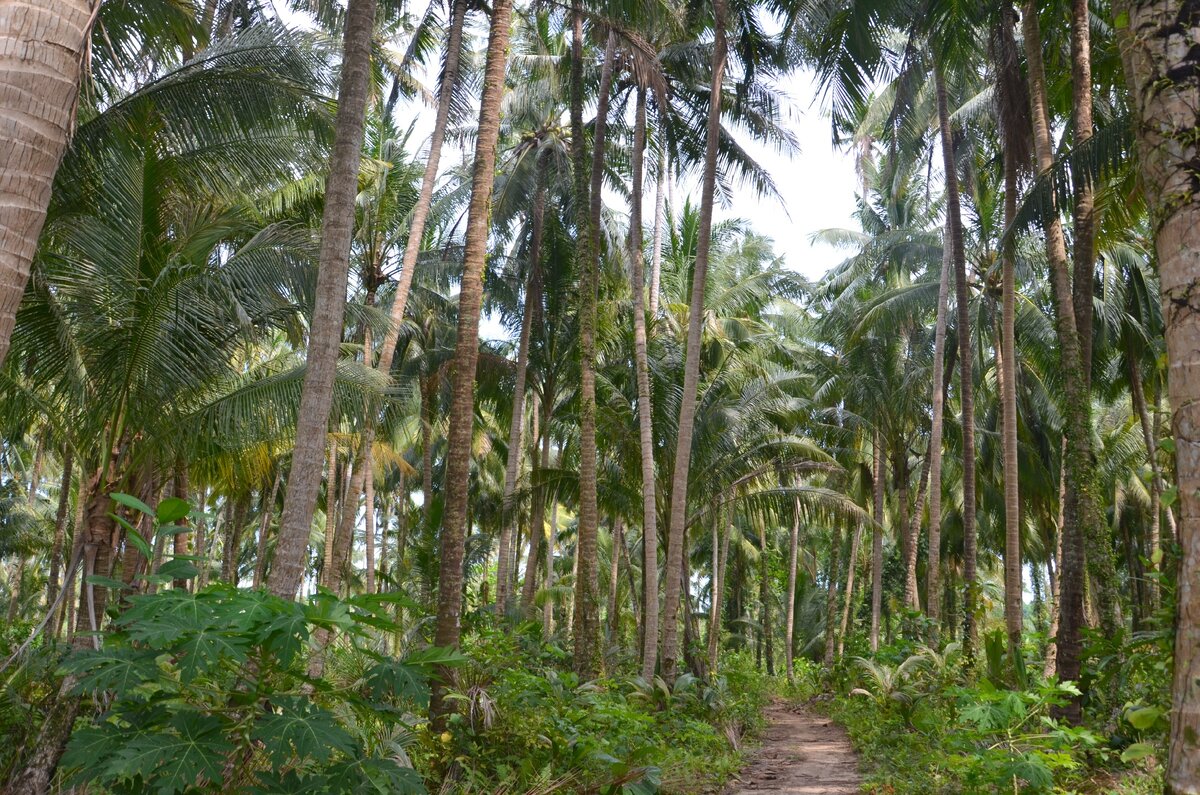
<point x="801" y="754"/>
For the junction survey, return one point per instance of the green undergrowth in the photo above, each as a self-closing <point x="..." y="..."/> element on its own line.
<point x="922" y="724"/>
<point x="525" y="723"/>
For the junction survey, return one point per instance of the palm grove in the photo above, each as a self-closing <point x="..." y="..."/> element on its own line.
<point x="242" y="291"/>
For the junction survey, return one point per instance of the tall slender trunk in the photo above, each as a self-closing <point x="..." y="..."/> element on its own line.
<point x="537" y="515"/>
<point x="790" y="604"/>
<point x="551" y="543"/>
<point x="43" y="46"/>
<point x="1054" y="567"/>
<point x="508" y="516"/>
<point x="641" y="361"/>
<point x="420" y="212"/>
<point x="691" y="366"/>
<point x="369" y="522"/>
<point x="933" y="566"/>
<point x="764" y="596"/>
<point x="611" y="615"/>
<point x="851" y="565"/>
<point x="1162" y="35"/>
<point x="325" y="329"/>
<point x="965" y="364"/>
<point x="660" y="223"/>
<point x="1138" y="398"/>
<point x="466" y="347"/>
<point x="877" y="486"/>
<point x="264" y="531"/>
<point x="1008" y="64"/>
<point x="233" y="539"/>
<point x="587" y="591"/>
<point x="831" y="594"/>
<point x="60" y="524"/>
<point x="331" y="511"/>
<point x="912" y="598"/>
<point x="1081" y="515"/>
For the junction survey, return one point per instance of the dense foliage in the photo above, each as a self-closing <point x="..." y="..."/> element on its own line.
<point x="276" y="515"/>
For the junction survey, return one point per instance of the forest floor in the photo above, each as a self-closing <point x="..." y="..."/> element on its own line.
<point x="801" y="753"/>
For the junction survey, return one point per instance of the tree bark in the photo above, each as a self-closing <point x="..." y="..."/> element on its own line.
<point x="933" y="586"/>
<point x="1162" y="36"/>
<point x="325" y="328"/>
<point x="790" y="605"/>
<point x="1007" y="355"/>
<point x="877" y="487"/>
<point x="508" y="517"/>
<point x="466" y="348"/>
<point x="43" y="46"/>
<point x="264" y="531"/>
<point x="851" y="565"/>
<point x="660" y="222"/>
<point x="60" y="524"/>
<point x="691" y="367"/>
<point x="1081" y="515"/>
<point x="641" y="359"/>
<point x="965" y="364"/>
<point x="586" y="621"/>
<point x="831" y="600"/>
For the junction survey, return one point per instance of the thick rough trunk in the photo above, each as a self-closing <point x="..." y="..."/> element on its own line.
<point x="42" y="50"/>
<point x="1164" y="57"/>
<point x="691" y="367"/>
<point x="325" y="328"/>
<point x="466" y="348"/>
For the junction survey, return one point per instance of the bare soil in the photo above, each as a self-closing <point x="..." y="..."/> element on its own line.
<point x="801" y="754"/>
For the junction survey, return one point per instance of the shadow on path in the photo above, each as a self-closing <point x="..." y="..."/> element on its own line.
<point x="801" y="754"/>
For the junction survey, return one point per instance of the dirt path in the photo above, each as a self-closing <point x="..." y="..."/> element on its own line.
<point x="801" y="754"/>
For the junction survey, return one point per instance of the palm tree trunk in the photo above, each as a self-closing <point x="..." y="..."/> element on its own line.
<point x="537" y="517"/>
<point x="912" y="596"/>
<point x="1008" y="64"/>
<point x="933" y="566"/>
<point x="691" y="367"/>
<point x="60" y="524"/>
<point x="1081" y="515"/>
<point x="790" y="603"/>
<point x="1138" y="397"/>
<point x="831" y="594"/>
<point x="325" y="329"/>
<point x="551" y="543"/>
<point x="660" y="223"/>
<point x="641" y="360"/>
<point x="331" y="503"/>
<point x="1054" y="566"/>
<point x="43" y="47"/>
<point x="466" y="347"/>
<point x="614" y="570"/>
<point x="264" y="531"/>
<point x="420" y="212"/>
<point x="876" y="538"/>
<point x="764" y="587"/>
<point x="1166" y="92"/>
<point x="369" y="521"/>
<point x="586" y="621"/>
<point x="714" y="630"/>
<point x="508" y="517"/>
<point x="851" y="565"/>
<point x="965" y="364"/>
